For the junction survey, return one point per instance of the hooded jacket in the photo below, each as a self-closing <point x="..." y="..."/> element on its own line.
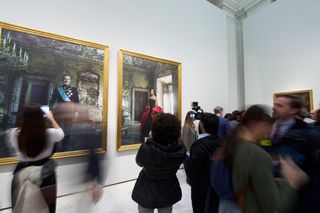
<point x="157" y="185"/>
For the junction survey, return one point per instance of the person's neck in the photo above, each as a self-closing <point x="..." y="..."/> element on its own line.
<point x="247" y="135"/>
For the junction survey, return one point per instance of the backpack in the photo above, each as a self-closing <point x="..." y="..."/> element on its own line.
<point x="221" y="181"/>
<point x="221" y="177"/>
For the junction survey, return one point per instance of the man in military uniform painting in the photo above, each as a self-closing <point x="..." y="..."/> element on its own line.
<point x="62" y="103"/>
<point x="65" y="93"/>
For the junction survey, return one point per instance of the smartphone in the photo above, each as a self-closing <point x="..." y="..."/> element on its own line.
<point x="45" y="109"/>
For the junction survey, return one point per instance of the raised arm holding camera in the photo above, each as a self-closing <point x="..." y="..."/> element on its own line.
<point x="34" y="177"/>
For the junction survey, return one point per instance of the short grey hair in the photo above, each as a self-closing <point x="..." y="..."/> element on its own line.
<point x="218" y="110"/>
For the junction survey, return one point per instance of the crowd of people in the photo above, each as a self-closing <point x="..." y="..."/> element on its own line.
<point x="228" y="163"/>
<point x="245" y="161"/>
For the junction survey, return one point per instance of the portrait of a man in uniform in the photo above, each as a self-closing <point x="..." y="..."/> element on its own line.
<point x="65" y="93"/>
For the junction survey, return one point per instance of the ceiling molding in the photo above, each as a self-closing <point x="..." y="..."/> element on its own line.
<point x="240" y="9"/>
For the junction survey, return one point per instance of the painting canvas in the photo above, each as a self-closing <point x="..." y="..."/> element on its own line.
<point x="145" y="83"/>
<point x="35" y="67"/>
<point x="305" y="96"/>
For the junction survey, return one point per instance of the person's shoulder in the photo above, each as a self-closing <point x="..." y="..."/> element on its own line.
<point x="252" y="150"/>
<point x="148" y="145"/>
<point x="55" y="134"/>
<point x="300" y="125"/>
<point x="209" y="139"/>
<point x="205" y="142"/>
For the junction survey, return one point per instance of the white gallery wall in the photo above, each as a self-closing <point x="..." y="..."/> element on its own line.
<point x="192" y="32"/>
<point x="282" y="50"/>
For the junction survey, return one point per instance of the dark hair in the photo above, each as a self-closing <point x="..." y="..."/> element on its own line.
<point x="210" y="123"/>
<point x="154" y="92"/>
<point x="236" y="115"/>
<point x="294" y="101"/>
<point x="255" y="113"/>
<point x="166" y="128"/>
<point x="32" y="139"/>
<point x="229" y="116"/>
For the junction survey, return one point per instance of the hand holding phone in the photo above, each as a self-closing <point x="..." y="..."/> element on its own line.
<point x="45" y="109"/>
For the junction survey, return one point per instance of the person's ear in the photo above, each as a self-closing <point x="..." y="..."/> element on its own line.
<point x="294" y="111"/>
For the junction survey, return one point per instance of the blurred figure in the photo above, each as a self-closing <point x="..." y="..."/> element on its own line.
<point x="197" y="165"/>
<point x="91" y="190"/>
<point x="34" y="143"/>
<point x="65" y="115"/>
<point x="224" y="126"/>
<point x="189" y="134"/>
<point x="293" y="137"/>
<point x="236" y="118"/>
<point x="94" y="172"/>
<point x="317" y="119"/>
<point x="157" y="186"/>
<point x="61" y="103"/>
<point x="255" y="188"/>
<point x="313" y="114"/>
<point x="236" y="115"/>
<point x="228" y="116"/>
<point x="303" y="115"/>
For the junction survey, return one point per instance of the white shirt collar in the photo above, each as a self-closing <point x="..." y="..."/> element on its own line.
<point x="203" y="135"/>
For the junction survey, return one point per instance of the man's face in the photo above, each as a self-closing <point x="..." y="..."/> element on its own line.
<point x="282" y="109"/>
<point x="313" y="114"/>
<point x="66" y="80"/>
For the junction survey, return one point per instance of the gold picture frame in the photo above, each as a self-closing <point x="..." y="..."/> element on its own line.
<point x="306" y="97"/>
<point x="138" y="74"/>
<point x="36" y="56"/>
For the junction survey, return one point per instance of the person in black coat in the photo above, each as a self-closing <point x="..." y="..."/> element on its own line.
<point x="157" y="186"/>
<point x="198" y="164"/>
<point x="295" y="138"/>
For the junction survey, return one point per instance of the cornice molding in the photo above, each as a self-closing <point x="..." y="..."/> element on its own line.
<point x="240" y="9"/>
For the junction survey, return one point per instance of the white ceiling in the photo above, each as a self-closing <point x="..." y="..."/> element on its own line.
<point x="239" y="8"/>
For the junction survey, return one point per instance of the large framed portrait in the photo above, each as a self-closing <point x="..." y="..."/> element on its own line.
<point x="68" y="75"/>
<point x="146" y="84"/>
<point x="306" y="96"/>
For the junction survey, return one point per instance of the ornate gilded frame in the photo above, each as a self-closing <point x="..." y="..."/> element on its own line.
<point x="120" y="146"/>
<point x="305" y="95"/>
<point x="104" y="79"/>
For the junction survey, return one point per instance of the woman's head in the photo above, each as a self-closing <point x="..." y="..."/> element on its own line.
<point x="254" y="126"/>
<point x="166" y="128"/>
<point x="32" y="137"/>
<point x="152" y="92"/>
<point x="257" y="121"/>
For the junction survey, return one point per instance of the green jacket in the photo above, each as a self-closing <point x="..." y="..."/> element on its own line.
<point x="252" y="165"/>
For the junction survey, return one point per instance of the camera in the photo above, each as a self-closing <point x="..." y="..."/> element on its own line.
<point x="196" y="112"/>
